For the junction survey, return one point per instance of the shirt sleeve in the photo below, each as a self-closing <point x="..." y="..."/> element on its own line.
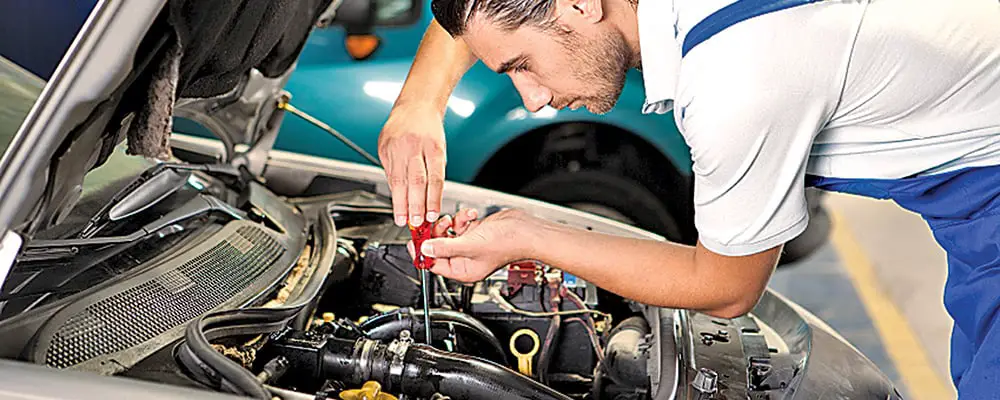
<point x="750" y="138"/>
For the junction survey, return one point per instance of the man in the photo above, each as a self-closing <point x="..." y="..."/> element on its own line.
<point x="893" y="99"/>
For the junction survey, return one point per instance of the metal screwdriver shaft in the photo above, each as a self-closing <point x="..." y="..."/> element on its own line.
<point x="423" y="264"/>
<point x="425" y="281"/>
<point x="419" y="233"/>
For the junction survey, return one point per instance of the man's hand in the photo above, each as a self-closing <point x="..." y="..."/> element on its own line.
<point x="478" y="247"/>
<point x="412" y="150"/>
<point x="411" y="146"/>
<point x="653" y="272"/>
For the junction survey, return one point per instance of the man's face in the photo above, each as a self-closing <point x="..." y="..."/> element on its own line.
<point x="561" y="65"/>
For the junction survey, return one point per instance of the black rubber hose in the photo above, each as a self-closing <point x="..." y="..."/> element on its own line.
<point x="197" y="352"/>
<point x="428" y="370"/>
<point x="624" y="360"/>
<point x="439" y="329"/>
<point x="436" y="314"/>
<point x="423" y="371"/>
<point x="466" y="293"/>
<point x="387" y="326"/>
<point x="200" y="358"/>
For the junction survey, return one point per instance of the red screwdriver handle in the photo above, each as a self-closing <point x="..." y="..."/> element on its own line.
<point x="419" y="234"/>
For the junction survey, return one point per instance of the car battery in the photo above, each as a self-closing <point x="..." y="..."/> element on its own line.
<point x="526" y="287"/>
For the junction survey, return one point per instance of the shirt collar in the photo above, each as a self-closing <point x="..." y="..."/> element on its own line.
<point x="661" y="55"/>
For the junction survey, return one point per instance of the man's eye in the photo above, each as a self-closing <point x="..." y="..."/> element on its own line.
<point x="521" y="68"/>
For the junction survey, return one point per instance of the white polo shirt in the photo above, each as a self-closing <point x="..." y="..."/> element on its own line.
<point x="840" y="88"/>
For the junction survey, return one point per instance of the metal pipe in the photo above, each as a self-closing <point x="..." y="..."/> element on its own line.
<point x="285" y="394"/>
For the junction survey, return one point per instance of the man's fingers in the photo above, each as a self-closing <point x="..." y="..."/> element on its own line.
<point x="454" y="268"/>
<point x="448" y="247"/>
<point x="396" y="170"/>
<point x="444" y="267"/>
<point x="435" y="159"/>
<point x="464" y="219"/>
<point x="416" y="188"/>
<point x="441" y="226"/>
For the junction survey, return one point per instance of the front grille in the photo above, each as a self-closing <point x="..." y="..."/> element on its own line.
<point x="168" y="300"/>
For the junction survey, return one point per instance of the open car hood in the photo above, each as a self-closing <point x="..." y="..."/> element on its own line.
<point x="131" y="63"/>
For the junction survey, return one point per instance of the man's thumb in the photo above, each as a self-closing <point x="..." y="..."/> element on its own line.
<point x="447" y="247"/>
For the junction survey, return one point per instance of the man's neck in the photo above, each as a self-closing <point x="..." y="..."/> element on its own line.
<point x="623" y="14"/>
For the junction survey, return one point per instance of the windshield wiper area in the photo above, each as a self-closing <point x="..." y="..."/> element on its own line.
<point x="147" y="190"/>
<point x="165" y="225"/>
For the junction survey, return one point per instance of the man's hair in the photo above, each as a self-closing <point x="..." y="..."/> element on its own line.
<point x="454" y="15"/>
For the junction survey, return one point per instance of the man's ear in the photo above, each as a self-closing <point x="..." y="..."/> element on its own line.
<point x="589" y="10"/>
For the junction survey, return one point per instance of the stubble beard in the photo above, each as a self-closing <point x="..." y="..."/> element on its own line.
<point x="604" y="65"/>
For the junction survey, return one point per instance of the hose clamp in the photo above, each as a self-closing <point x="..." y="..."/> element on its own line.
<point x="397" y="352"/>
<point x="363" y="354"/>
<point x="398" y="348"/>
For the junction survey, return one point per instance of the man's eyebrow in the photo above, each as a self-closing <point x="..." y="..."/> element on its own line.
<point x="507" y="65"/>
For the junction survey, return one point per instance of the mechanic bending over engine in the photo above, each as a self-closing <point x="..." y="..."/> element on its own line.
<point x="892" y="99"/>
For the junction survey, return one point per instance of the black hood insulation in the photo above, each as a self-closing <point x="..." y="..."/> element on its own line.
<point x="223" y="39"/>
<point x="215" y="45"/>
<point x="220" y="41"/>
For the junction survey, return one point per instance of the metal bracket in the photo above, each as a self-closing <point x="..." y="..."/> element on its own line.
<point x="238" y="117"/>
<point x="706" y="381"/>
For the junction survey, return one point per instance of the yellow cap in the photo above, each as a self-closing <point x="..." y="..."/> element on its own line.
<point x="371" y="390"/>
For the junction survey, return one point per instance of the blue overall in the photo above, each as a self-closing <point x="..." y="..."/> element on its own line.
<point x="962" y="209"/>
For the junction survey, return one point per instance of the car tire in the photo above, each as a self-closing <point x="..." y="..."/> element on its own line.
<point x="623" y="196"/>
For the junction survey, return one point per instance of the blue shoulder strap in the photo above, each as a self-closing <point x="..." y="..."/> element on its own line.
<point x="733" y="14"/>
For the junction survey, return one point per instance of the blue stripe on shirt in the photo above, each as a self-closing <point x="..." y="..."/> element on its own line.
<point x="733" y="14"/>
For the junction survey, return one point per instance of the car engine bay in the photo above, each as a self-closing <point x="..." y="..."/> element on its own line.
<point x="223" y="284"/>
<point x="201" y="276"/>
<point x="528" y="331"/>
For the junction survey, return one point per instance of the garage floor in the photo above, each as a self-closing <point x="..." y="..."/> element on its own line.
<point x="879" y="282"/>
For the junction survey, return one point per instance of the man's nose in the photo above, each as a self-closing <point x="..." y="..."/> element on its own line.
<point x="534" y="95"/>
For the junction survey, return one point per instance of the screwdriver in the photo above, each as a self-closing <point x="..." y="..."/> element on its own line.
<point x="423" y="264"/>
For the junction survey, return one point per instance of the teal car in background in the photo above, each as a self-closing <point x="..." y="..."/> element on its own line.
<point x="623" y="165"/>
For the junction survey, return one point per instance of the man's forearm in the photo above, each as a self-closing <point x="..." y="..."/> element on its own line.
<point x="658" y="273"/>
<point x="439" y="65"/>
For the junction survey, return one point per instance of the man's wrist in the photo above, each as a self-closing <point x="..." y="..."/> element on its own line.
<point x="420" y="105"/>
<point x="541" y="238"/>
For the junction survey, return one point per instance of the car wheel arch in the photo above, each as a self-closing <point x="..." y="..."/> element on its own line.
<point x="606" y="147"/>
